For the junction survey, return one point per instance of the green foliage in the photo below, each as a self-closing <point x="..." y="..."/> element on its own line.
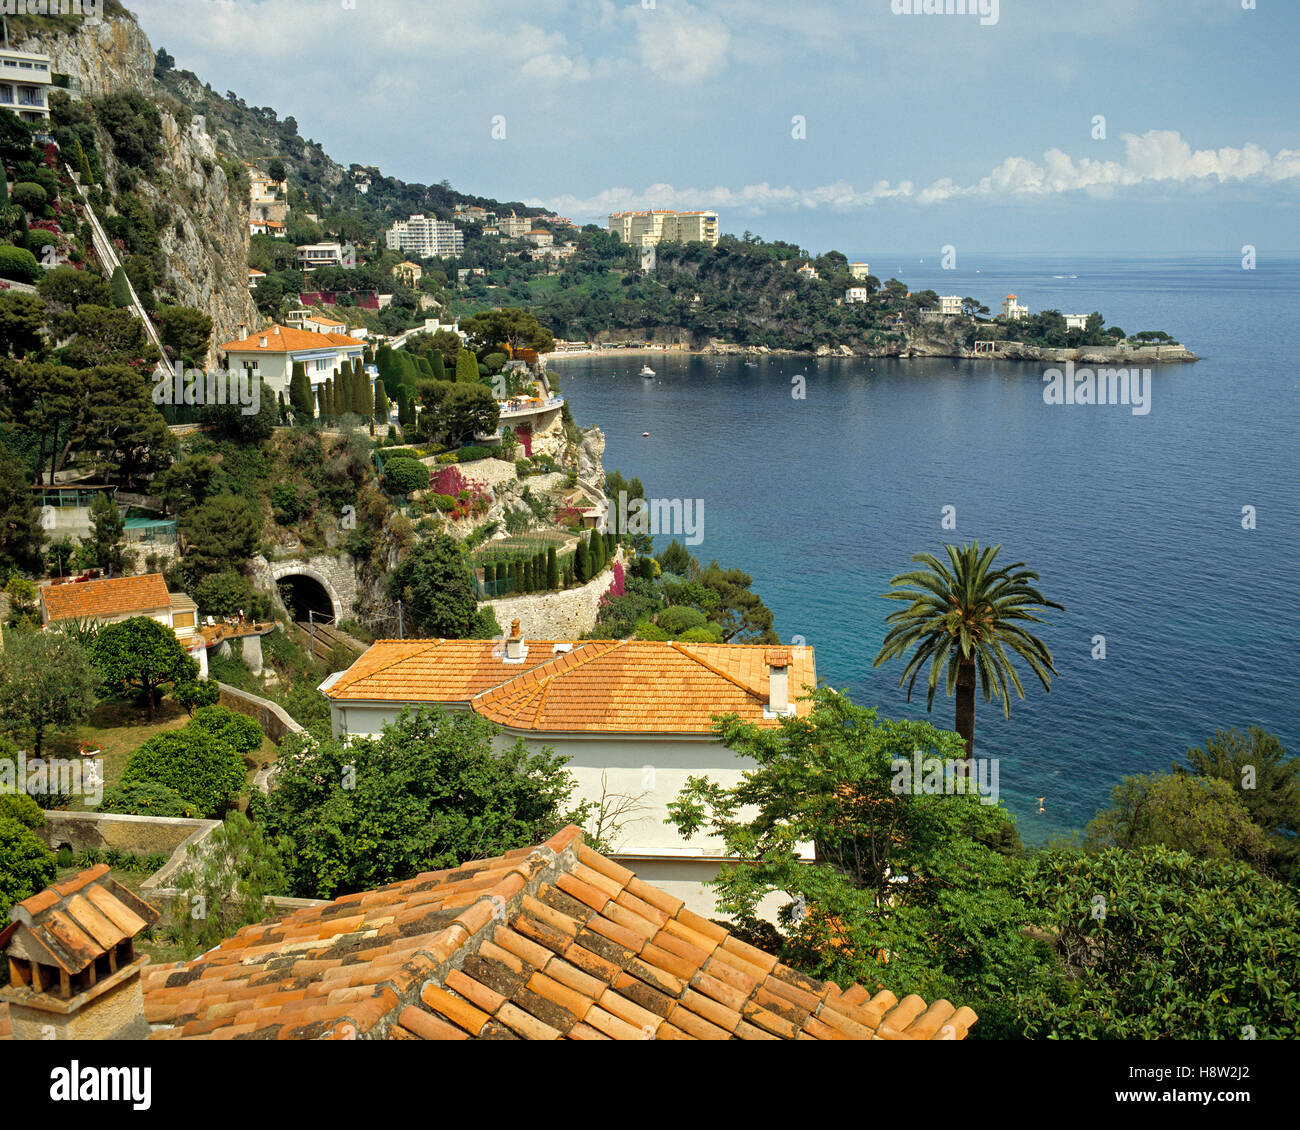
<point x="221" y="535"/>
<point x="121" y="288"/>
<point x="676" y="558"/>
<point x="1157" y="945"/>
<point x="20" y="521"/>
<point x="204" y="769"/>
<point x="434" y="584"/>
<point x="466" y="367"/>
<point x="21" y="807"/>
<point x="145" y="798"/>
<point x="186" y="330"/>
<point x="107" y="527"/>
<point x="197" y="693"/>
<point x="403" y="476"/>
<point x="678" y="620"/>
<point x="20" y="264"/>
<point x="46" y="680"/>
<point x="133" y="123"/>
<point x="230" y="879"/>
<point x="1203" y="816"/>
<point x="141" y="654"/>
<point x="300" y="393"/>
<point x="430" y="793"/>
<point x="27" y="866"/>
<point x="229" y="726"/>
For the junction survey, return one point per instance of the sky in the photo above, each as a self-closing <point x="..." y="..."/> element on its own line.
<point x="1023" y="127"/>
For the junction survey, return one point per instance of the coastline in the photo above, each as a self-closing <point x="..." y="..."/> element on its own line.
<point x="1084" y="354"/>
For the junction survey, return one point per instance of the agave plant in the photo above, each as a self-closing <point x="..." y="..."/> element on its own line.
<point x="962" y="618"/>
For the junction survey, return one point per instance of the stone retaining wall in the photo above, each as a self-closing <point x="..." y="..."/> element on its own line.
<point x="274" y="720"/>
<point x="564" y="615"/>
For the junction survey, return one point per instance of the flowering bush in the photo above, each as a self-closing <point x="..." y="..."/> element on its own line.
<point x="617" y="588"/>
<point x="570" y="517"/>
<point x="448" y="480"/>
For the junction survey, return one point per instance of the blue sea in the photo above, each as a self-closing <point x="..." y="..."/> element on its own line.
<point x="1133" y="522"/>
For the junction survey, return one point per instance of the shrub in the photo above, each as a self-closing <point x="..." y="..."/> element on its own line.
<point x="402" y="476"/>
<point x="21" y="807"/>
<point x="29" y="196"/>
<point x="222" y="594"/>
<point x="710" y="633"/>
<point x="449" y="457"/>
<point x="677" y="620"/>
<point x="444" y="502"/>
<point x="199" y="693"/>
<point x="523" y="467"/>
<point x="204" y="769"/>
<point x="229" y="726"/>
<point x="472" y="453"/>
<point x="19" y="264"/>
<point x="27" y="866"/>
<point x="145" y="798"/>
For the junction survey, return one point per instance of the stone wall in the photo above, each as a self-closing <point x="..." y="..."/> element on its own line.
<point x="274" y="720"/>
<point x="143" y="835"/>
<point x="556" y="616"/>
<point x="337" y="573"/>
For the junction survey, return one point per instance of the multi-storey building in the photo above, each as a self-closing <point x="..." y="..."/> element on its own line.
<point x="25" y="78"/>
<point x="1012" y="310"/>
<point x="649" y="228"/>
<point x="426" y="237"/>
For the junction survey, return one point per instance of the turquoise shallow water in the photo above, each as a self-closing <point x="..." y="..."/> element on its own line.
<point x="1133" y="522"/>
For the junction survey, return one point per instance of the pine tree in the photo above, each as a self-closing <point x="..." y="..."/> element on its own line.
<point x="552" y="570"/>
<point x="300" y="396"/>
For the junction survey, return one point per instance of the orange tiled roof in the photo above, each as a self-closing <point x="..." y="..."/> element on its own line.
<point x="118" y="596"/>
<point x="288" y="340"/>
<point x="543" y="943"/>
<point x="619" y="686"/>
<point x="72" y="923"/>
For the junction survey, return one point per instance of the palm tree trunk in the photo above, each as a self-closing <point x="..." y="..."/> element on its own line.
<point x="966" y="704"/>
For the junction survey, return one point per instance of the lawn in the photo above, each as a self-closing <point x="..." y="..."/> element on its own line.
<point x="117" y="728"/>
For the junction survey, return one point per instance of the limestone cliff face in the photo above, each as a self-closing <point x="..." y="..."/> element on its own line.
<point x="205" y="240"/>
<point x="102" y="58"/>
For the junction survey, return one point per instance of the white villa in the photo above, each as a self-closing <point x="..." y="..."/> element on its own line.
<point x="632" y="716"/>
<point x="25" y="77"/>
<point x="949" y="305"/>
<point x="270" y="354"/>
<point x="1012" y="310"/>
<point x="859" y="270"/>
<point x="855" y="294"/>
<point x="1076" y="321"/>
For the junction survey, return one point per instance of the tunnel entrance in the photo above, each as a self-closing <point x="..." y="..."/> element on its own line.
<point x="303" y="595"/>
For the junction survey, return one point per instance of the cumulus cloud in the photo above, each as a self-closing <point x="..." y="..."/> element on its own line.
<point x="1157" y="157"/>
<point x="680" y="44"/>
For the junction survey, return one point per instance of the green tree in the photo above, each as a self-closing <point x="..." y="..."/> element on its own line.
<point x="237" y="730"/>
<point x="552" y="569"/>
<point x="508" y="326"/>
<point x="227" y="883"/>
<point x="220" y="536"/>
<point x="143" y="798"/>
<point x="381" y="404"/>
<point x="430" y="793"/>
<point x="1267" y="781"/>
<point x="205" y="770"/>
<point x="121" y="288"/>
<point x="21" y="534"/>
<point x="466" y="367"/>
<point x="1200" y="815"/>
<point x="22" y="317"/>
<point x="107" y="527"/>
<point x="730" y="603"/>
<point x="46" y="680"/>
<point x="195" y="694"/>
<point x="960" y="618"/>
<point x="403" y="476"/>
<point x="186" y="330"/>
<point x="300" y="394"/>
<point x="434" y="584"/>
<point x="581" y="563"/>
<point x="141" y="654"/>
<point x="27" y="866"/>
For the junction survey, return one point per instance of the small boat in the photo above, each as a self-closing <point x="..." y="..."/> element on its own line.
<point x="648" y="373"/>
<point x="645" y="435"/>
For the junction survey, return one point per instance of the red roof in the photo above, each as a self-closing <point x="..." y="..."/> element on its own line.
<point x="120" y="596"/>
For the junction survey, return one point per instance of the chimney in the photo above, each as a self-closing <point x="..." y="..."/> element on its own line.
<point x="515" y="648"/>
<point x="73" y="971"/>
<point x="778" y="682"/>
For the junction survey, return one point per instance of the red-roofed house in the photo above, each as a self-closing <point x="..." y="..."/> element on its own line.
<point x="270" y="354"/>
<point x="634" y="717"/>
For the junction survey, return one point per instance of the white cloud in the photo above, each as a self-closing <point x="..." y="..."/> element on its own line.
<point x="680" y="44"/>
<point x="1157" y="157"/>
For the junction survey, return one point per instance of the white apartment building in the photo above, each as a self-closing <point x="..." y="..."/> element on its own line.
<point x="949" y="305"/>
<point x="313" y="255"/>
<point x="649" y="228"/>
<point x="855" y="294"/>
<point x="540" y="237"/>
<point x="426" y="237"/>
<point x="1076" y="321"/>
<point x="25" y="78"/>
<point x="859" y="270"/>
<point x="1012" y="310"/>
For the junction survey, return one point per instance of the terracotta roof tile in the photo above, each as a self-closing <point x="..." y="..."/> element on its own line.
<point x="420" y="959"/>
<point x="627" y="686"/>
<point x="118" y="596"/>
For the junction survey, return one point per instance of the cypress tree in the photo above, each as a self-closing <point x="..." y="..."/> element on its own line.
<point x="121" y="288"/>
<point x="300" y="396"/>
<point x="595" y="554"/>
<point x="361" y="402"/>
<point x="466" y="366"/>
<point x="329" y="396"/>
<point x="381" y="403"/>
<point x="343" y="390"/>
<point x="4" y="187"/>
<point x="436" y="365"/>
<point x="539" y="571"/>
<point x="552" y="569"/>
<point x="581" y="565"/>
<point x="516" y="576"/>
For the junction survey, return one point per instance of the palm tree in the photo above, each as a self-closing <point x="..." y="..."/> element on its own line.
<point x="964" y="618"/>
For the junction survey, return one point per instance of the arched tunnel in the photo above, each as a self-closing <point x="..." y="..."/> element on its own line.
<point x="302" y="594"/>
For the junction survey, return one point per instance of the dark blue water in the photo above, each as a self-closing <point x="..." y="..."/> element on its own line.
<point x="1133" y="522"/>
